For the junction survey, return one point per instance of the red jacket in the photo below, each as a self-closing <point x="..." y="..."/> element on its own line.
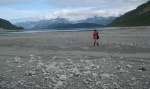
<point x="95" y="35"/>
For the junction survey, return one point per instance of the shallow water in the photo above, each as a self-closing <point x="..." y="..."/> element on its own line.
<point x="51" y="30"/>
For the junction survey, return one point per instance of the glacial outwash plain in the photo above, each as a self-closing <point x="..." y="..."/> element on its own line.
<point x="68" y="60"/>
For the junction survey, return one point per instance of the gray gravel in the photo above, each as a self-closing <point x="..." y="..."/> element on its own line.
<point x="68" y="60"/>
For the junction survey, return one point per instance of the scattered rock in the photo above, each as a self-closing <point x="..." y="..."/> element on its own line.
<point x="75" y="71"/>
<point x="30" y="61"/>
<point x="142" y="69"/>
<point x="53" y="79"/>
<point x="133" y="78"/>
<point x="121" y="57"/>
<point x="30" y="73"/>
<point x="87" y="72"/>
<point x="105" y="75"/>
<point x="55" y="57"/>
<point x="129" y="66"/>
<point x="17" y="59"/>
<point x="19" y="66"/>
<point x="87" y="81"/>
<point x="118" y="67"/>
<point x="98" y="83"/>
<point x="121" y="71"/>
<point x="40" y="64"/>
<point x="51" y="69"/>
<point x="59" y="83"/>
<point x="31" y="55"/>
<point x="94" y="75"/>
<point x="69" y="61"/>
<point x="8" y="61"/>
<point x="63" y="77"/>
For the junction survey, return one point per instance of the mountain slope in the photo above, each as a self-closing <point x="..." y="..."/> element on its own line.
<point x="7" y="25"/>
<point x="138" y="17"/>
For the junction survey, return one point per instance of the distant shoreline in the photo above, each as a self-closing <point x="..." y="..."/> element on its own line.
<point x="49" y="30"/>
<point x="3" y="31"/>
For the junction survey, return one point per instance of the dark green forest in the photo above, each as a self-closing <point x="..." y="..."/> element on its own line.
<point x="7" y="25"/>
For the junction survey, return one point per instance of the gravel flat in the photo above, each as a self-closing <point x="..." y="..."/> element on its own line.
<point x="68" y="60"/>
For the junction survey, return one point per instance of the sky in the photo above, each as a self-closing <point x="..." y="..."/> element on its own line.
<point x="24" y="10"/>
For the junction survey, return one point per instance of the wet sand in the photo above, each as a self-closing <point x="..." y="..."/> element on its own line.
<point x="68" y="60"/>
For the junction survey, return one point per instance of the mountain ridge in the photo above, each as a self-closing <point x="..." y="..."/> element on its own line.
<point x="93" y="21"/>
<point x="137" y="17"/>
<point x="7" y="25"/>
<point x="75" y="25"/>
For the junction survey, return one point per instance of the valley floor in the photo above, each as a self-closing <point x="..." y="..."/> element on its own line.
<point x="68" y="60"/>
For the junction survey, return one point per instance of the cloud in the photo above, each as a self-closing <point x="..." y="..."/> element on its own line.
<point x="80" y="13"/>
<point x="75" y="15"/>
<point x="73" y="3"/>
<point x="9" y="13"/>
<point x="5" y="2"/>
<point x="76" y="3"/>
<point x="71" y="9"/>
<point x="106" y="10"/>
<point x="89" y="8"/>
<point x="91" y="3"/>
<point x="72" y="15"/>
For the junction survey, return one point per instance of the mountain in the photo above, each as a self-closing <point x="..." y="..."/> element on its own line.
<point x="98" y="20"/>
<point x="7" y="25"/>
<point x="75" y="25"/>
<point x="62" y="22"/>
<point x="26" y="24"/>
<point x="44" y="24"/>
<point x="137" y="17"/>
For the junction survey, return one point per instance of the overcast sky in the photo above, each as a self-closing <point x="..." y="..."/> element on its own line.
<point x="71" y="9"/>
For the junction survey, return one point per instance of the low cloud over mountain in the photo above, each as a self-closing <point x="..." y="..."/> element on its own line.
<point x="63" y="22"/>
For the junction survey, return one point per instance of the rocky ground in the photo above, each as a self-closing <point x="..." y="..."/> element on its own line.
<point x="68" y="60"/>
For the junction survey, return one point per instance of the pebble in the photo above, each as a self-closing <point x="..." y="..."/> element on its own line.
<point x="94" y="75"/>
<point x="105" y="75"/>
<point x="129" y="66"/>
<point x="133" y="78"/>
<point x="30" y="73"/>
<point x="51" y="69"/>
<point x="63" y="77"/>
<point x="55" y="57"/>
<point x="59" y="83"/>
<point x="98" y="83"/>
<point x="17" y="59"/>
<point x="62" y="74"/>
<point x="75" y="71"/>
<point x="87" y="72"/>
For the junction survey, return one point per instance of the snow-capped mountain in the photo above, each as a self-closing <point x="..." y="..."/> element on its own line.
<point x="98" y="20"/>
<point x="27" y="24"/>
<point x="44" y="24"/>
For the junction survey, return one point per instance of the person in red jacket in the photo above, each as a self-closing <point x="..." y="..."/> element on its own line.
<point x="95" y="37"/>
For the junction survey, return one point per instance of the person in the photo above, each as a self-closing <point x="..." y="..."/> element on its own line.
<point x="95" y="37"/>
